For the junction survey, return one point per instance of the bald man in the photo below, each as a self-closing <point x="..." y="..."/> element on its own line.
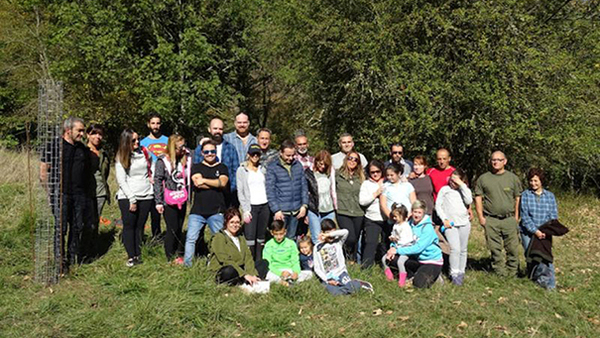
<point x="241" y="138"/>
<point x="497" y="195"/>
<point x="441" y="173"/>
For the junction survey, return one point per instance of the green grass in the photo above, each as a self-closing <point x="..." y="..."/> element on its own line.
<point x="106" y="299"/>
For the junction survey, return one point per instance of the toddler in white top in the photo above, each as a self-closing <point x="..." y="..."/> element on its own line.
<point x="402" y="235"/>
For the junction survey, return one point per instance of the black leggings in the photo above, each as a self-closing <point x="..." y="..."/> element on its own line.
<point x="133" y="225"/>
<point x="173" y="238"/>
<point x="354" y="226"/>
<point x="229" y="275"/>
<point x="257" y="228"/>
<point x="372" y="232"/>
<point x="154" y="220"/>
<point x="424" y="274"/>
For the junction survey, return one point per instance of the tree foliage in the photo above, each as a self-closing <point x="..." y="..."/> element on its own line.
<point x="472" y="76"/>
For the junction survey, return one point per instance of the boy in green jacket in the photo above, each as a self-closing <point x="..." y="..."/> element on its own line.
<point x="283" y="257"/>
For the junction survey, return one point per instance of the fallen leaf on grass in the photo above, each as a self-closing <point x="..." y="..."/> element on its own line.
<point x="481" y="323"/>
<point x="557" y="316"/>
<point x="362" y="313"/>
<point x="292" y="324"/>
<point x="457" y="302"/>
<point x="50" y="289"/>
<point x="462" y="326"/>
<point x="404" y="318"/>
<point x="501" y="300"/>
<point x="594" y="321"/>
<point x="409" y="290"/>
<point x="341" y="330"/>
<point x="441" y="335"/>
<point x="389" y="312"/>
<point x="377" y="312"/>
<point x="300" y="311"/>
<point x="26" y="278"/>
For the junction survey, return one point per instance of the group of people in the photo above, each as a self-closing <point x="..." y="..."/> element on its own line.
<point x="401" y="213"/>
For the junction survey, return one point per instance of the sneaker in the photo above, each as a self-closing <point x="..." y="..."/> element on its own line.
<point x="137" y="260"/>
<point x="440" y="280"/>
<point x="366" y="286"/>
<point x="130" y="262"/>
<point x="178" y="261"/>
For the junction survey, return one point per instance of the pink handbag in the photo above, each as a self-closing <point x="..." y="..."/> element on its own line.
<point x="175" y="197"/>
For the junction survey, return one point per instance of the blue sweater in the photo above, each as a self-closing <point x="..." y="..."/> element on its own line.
<point x="286" y="192"/>
<point x="426" y="247"/>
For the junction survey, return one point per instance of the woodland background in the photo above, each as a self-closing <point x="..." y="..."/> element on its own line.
<point x="472" y="76"/>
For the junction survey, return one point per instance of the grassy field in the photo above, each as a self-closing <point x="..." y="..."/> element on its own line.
<point x="107" y="299"/>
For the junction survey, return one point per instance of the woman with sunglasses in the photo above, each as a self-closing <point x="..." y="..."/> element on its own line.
<point x="322" y="196"/>
<point x="369" y="199"/>
<point x="349" y="179"/>
<point x="252" y="194"/>
<point x="171" y="191"/>
<point x="135" y="193"/>
<point x="209" y="179"/>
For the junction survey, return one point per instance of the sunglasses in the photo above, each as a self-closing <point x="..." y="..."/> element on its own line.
<point x="255" y="154"/>
<point x="397" y="152"/>
<point x="353" y="159"/>
<point x="210" y="152"/>
<point x="375" y="172"/>
<point x="135" y="140"/>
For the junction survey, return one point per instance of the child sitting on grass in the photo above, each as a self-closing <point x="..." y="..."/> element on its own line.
<point x="282" y="255"/>
<point x="306" y="253"/>
<point x="402" y="235"/>
<point x="329" y="261"/>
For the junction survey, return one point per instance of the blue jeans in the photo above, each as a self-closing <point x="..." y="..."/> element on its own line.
<point x="544" y="273"/>
<point x="195" y="225"/>
<point x="291" y="224"/>
<point x="314" y="223"/>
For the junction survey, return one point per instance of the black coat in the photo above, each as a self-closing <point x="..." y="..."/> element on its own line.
<point x="540" y="250"/>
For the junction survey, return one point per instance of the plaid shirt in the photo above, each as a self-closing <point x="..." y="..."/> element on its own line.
<point x="306" y="161"/>
<point x="229" y="158"/>
<point x="535" y="210"/>
<point x="238" y="144"/>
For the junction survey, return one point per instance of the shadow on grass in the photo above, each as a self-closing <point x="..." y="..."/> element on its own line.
<point x="480" y="264"/>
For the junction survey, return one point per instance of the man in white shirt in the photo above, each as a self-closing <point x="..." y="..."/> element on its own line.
<point x="346" y="145"/>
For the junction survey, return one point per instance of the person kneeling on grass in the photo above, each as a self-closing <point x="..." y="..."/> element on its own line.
<point x="231" y="259"/>
<point x="329" y="263"/>
<point x="283" y="258"/>
<point x="428" y="266"/>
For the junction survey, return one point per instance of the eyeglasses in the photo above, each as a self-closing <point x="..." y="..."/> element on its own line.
<point x="497" y="159"/>
<point x="353" y="159"/>
<point x="210" y="152"/>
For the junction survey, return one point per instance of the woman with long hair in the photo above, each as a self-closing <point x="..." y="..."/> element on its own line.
<point x="171" y="191"/>
<point x="370" y="190"/>
<point x="252" y="194"/>
<point x="350" y="214"/>
<point x="135" y="193"/>
<point x="322" y="196"/>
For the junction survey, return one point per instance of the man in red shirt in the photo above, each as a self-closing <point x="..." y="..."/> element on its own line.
<point x="440" y="174"/>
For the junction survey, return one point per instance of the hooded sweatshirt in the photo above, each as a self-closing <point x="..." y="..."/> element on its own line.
<point x="426" y="247"/>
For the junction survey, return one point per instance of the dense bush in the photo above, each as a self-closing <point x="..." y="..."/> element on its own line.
<point x="473" y="76"/>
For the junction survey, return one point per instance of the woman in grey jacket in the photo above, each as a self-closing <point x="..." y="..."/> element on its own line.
<point x="252" y="194"/>
<point x="171" y="193"/>
<point x="135" y="192"/>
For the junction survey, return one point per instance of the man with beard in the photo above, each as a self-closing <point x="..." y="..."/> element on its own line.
<point x="264" y="141"/>
<point x="302" y="156"/>
<point x="68" y="184"/>
<point x="156" y="144"/>
<point x="396" y="156"/>
<point x="241" y="139"/>
<point x="226" y="154"/>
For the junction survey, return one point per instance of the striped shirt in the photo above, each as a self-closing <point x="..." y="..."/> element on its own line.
<point x="535" y="210"/>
